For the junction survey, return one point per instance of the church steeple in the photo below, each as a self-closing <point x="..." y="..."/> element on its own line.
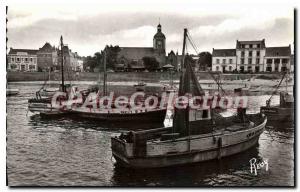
<point x="159" y="28"/>
<point x="159" y="40"/>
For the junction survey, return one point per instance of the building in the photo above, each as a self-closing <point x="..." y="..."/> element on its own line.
<point x="224" y="60"/>
<point x="252" y="56"/>
<point x="47" y="58"/>
<point x="72" y="61"/>
<point x="132" y="57"/>
<point x="278" y="59"/>
<point x="22" y="60"/>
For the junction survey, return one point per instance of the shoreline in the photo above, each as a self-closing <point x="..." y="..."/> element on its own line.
<point x="127" y="76"/>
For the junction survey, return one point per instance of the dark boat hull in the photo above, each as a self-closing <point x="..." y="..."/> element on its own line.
<point x="279" y="114"/>
<point x="157" y="116"/>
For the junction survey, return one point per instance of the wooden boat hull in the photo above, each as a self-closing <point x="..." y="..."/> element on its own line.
<point x="202" y="149"/>
<point x="12" y="92"/>
<point x="278" y="113"/>
<point x="45" y="109"/>
<point x="188" y="158"/>
<point x="156" y="116"/>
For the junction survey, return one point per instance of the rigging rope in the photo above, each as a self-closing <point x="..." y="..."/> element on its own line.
<point x="197" y="52"/>
<point x="268" y="102"/>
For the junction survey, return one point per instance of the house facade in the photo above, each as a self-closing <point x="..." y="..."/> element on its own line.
<point x="44" y="59"/>
<point x="224" y="60"/>
<point x="253" y="57"/>
<point x="22" y="60"/>
<point x="278" y="59"/>
<point x="47" y="57"/>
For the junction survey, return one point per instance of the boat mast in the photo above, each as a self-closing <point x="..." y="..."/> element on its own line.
<point x="62" y="65"/>
<point x="105" y="73"/>
<point x="183" y="48"/>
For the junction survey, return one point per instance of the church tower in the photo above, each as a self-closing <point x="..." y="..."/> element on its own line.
<point x="159" y="41"/>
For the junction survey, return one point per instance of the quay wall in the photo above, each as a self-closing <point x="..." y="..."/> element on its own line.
<point x="122" y="76"/>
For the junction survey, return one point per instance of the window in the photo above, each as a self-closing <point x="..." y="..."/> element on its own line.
<point x="284" y="61"/>
<point x="26" y="59"/>
<point x="250" y="46"/>
<point x="242" y="61"/>
<point x="258" y="45"/>
<point x="242" y="68"/>
<point x="249" y="61"/>
<point x="269" y="61"/>
<point x="224" y="61"/>
<point x="257" y="61"/>
<point x="217" y="61"/>
<point x="217" y="68"/>
<point x="18" y="59"/>
<point x="205" y="114"/>
<point x="256" y="68"/>
<point x="257" y="53"/>
<point x="283" y="69"/>
<point x="230" y="68"/>
<point x="250" y="53"/>
<point x="269" y="69"/>
<point x="13" y="66"/>
<point x="31" y="67"/>
<point x="243" y="46"/>
<point x="277" y="61"/>
<point x="12" y="59"/>
<point x="31" y="59"/>
<point x="230" y="61"/>
<point x="243" y="54"/>
<point x="249" y="68"/>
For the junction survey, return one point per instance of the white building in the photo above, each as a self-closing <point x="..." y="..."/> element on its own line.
<point x="252" y="56"/>
<point x="278" y="59"/>
<point x="22" y="60"/>
<point x="224" y="60"/>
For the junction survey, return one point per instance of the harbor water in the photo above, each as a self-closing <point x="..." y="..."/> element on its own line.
<point x="69" y="152"/>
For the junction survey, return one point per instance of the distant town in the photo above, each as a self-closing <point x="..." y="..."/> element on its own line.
<point x="251" y="56"/>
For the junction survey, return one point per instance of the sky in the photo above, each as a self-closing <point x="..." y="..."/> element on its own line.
<point x="87" y="29"/>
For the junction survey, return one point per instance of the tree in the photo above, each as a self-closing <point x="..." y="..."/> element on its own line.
<point x="96" y="61"/>
<point x="111" y="55"/>
<point x="90" y="63"/>
<point x="205" y="60"/>
<point x="151" y="64"/>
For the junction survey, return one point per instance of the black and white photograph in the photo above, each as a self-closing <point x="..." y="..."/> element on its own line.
<point x="155" y="94"/>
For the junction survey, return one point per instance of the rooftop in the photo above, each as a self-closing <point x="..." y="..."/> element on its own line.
<point x="28" y="51"/>
<point x="224" y="52"/>
<point x="278" y="51"/>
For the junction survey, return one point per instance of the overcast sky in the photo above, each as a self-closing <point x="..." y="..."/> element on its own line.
<point x="87" y="29"/>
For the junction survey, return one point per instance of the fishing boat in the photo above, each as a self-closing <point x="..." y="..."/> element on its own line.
<point x="12" y="92"/>
<point x="197" y="135"/>
<point x="110" y="113"/>
<point x="42" y="103"/>
<point x="284" y="112"/>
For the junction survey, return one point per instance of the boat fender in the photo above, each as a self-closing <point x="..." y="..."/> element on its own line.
<point x="219" y="147"/>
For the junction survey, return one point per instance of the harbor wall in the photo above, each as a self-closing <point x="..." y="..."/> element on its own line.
<point x="122" y="76"/>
